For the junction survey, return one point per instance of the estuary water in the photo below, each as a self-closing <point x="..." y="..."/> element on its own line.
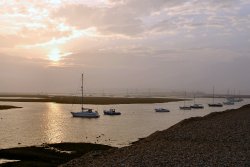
<point x="38" y="123"/>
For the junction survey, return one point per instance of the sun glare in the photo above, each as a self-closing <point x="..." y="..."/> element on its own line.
<point x="55" y="55"/>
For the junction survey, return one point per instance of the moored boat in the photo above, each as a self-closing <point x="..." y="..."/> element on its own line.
<point x="197" y="106"/>
<point x="111" y="112"/>
<point x="233" y="99"/>
<point x="161" y="110"/>
<point x="185" y="107"/>
<point x="85" y="112"/>
<point x="228" y="103"/>
<point x="215" y="105"/>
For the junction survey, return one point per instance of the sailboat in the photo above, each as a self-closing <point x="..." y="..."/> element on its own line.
<point x="234" y="99"/>
<point x="229" y="100"/>
<point x="184" y="107"/>
<point x="197" y="106"/>
<point x="86" y="112"/>
<point x="215" y="104"/>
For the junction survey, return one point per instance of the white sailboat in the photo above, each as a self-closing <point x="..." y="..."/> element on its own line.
<point x="86" y="112"/>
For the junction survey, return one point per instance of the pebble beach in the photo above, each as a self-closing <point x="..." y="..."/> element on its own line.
<point x="218" y="139"/>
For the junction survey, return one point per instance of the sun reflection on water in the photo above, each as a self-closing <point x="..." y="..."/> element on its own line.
<point x="54" y="124"/>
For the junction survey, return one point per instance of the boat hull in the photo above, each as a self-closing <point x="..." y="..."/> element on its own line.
<point x="232" y="99"/>
<point x="185" y="108"/>
<point x="215" y="105"/>
<point x="85" y="114"/>
<point x="228" y="103"/>
<point x="197" y="106"/>
<point x="162" y="110"/>
<point x="111" y="113"/>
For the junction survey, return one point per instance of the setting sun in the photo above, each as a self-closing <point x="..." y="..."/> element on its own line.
<point x="55" y="55"/>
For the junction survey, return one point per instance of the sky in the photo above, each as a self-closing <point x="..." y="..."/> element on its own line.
<point x="179" y="45"/>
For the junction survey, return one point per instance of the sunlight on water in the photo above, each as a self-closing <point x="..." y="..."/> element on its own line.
<point x="2" y="161"/>
<point x="53" y="123"/>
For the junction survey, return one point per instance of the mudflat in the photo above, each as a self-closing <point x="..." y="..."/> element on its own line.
<point x="5" y="107"/>
<point x="47" y="155"/>
<point x="87" y="100"/>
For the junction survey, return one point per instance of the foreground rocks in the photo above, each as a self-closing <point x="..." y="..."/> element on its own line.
<point x="218" y="139"/>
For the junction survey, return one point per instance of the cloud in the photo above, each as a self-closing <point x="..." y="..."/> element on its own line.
<point x="162" y="42"/>
<point x="130" y="18"/>
<point x="31" y="37"/>
<point x="122" y="17"/>
<point x="114" y="21"/>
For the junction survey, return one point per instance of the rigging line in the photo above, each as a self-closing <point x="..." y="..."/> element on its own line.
<point x="75" y="97"/>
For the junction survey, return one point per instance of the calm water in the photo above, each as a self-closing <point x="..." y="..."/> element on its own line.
<point x="38" y="123"/>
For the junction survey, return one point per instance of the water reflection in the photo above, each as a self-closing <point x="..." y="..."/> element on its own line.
<point x="37" y="123"/>
<point x="53" y="123"/>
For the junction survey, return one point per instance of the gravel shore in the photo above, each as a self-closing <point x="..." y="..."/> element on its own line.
<point x="218" y="139"/>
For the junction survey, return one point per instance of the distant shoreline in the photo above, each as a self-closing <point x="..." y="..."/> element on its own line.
<point x="89" y="100"/>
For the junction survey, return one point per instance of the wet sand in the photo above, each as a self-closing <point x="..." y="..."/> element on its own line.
<point x="6" y="107"/>
<point x="218" y="139"/>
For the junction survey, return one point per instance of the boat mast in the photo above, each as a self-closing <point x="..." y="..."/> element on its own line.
<point x="213" y="94"/>
<point x="194" y="98"/>
<point x="82" y="91"/>
<point x="185" y="99"/>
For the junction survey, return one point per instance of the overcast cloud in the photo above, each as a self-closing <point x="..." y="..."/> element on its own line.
<point x="164" y="44"/>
